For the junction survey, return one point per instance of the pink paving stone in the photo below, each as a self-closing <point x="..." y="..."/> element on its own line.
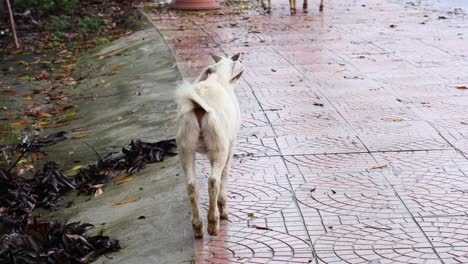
<point x="342" y="182"/>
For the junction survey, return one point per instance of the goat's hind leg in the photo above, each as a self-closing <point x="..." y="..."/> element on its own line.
<point x="321" y="6"/>
<point x="187" y="161"/>
<point x="218" y="161"/>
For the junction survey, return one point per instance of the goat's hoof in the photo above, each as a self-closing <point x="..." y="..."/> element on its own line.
<point x="198" y="230"/>
<point x="224" y="215"/>
<point x="213" y="228"/>
<point x="197" y="236"/>
<point x="305" y="10"/>
<point x="321" y="8"/>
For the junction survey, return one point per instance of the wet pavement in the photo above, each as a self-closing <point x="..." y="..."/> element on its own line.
<point x="354" y="142"/>
<point x="129" y="97"/>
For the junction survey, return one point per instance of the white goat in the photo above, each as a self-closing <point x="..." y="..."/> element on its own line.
<point x="208" y="121"/>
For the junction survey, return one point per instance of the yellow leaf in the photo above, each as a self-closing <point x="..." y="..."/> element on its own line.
<point x="29" y="98"/>
<point x="42" y="123"/>
<point x="393" y="119"/>
<point x="127" y="201"/>
<point x="119" y="118"/>
<point x="42" y="114"/>
<point x="77" y="167"/>
<point x="124" y="181"/>
<point x="307" y="19"/>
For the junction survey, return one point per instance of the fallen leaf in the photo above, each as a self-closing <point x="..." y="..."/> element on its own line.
<point x="77" y="167"/>
<point x="28" y="98"/>
<point x="102" y="231"/>
<point x="19" y="124"/>
<point x="393" y="119"/>
<point x="127" y="201"/>
<point x="70" y="82"/>
<point x="124" y="181"/>
<point x="80" y="136"/>
<point x="307" y="19"/>
<point x="74" y="236"/>
<point x="42" y="114"/>
<point x="119" y="177"/>
<point x="462" y="88"/>
<point x="379" y="167"/>
<point x="98" y="192"/>
<point x="262" y="228"/>
<point x="43" y="75"/>
<point x="42" y="123"/>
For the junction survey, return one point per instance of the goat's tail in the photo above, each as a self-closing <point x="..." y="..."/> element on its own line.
<point x="188" y="99"/>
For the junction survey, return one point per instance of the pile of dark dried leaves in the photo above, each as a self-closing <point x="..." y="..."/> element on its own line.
<point x="24" y="239"/>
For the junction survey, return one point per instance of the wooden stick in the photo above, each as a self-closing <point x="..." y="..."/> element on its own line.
<point x="13" y="28"/>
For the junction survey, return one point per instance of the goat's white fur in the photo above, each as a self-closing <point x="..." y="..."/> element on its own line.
<point x="213" y="134"/>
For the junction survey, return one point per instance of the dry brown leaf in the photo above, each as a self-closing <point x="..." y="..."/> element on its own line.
<point x="70" y="82"/>
<point x="379" y="167"/>
<point x="120" y="176"/>
<point x="393" y="119"/>
<point x="462" y="88"/>
<point x="19" y="124"/>
<point x="80" y="136"/>
<point x="307" y="19"/>
<point x="127" y="201"/>
<point x="42" y="114"/>
<point x="124" y="181"/>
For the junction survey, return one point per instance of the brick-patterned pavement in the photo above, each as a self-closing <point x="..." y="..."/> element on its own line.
<point x="354" y="141"/>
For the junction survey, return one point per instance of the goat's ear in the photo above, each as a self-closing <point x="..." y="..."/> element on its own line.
<point x="235" y="57"/>
<point x="203" y="75"/>
<point x="216" y="58"/>
<point x="237" y="72"/>
<point x="237" y="77"/>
